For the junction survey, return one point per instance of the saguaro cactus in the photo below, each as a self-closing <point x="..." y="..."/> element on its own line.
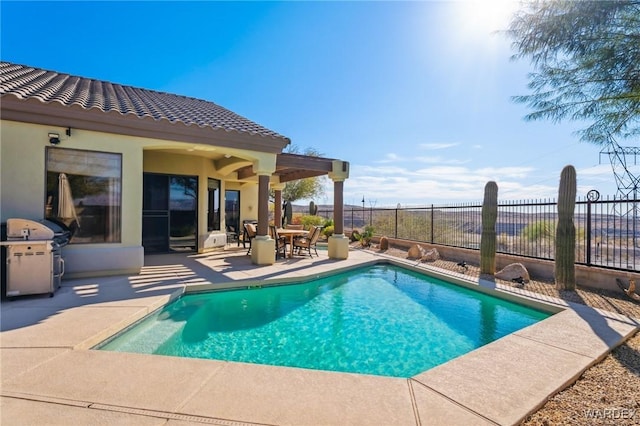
<point x="288" y="213"/>
<point x="566" y="231"/>
<point x="313" y="209"/>
<point x="488" y="237"/>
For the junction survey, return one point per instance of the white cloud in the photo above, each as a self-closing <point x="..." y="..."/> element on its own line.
<point x="389" y="185"/>
<point x="599" y="170"/>
<point x="437" y="145"/>
<point x="440" y="160"/>
<point x="390" y="158"/>
<point x="386" y="185"/>
<point x="395" y="158"/>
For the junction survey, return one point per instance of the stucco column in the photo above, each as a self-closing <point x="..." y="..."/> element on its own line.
<point x="338" y="242"/>
<point x="263" y="205"/>
<point x="277" y="211"/>
<point x="338" y="207"/>
<point x="263" y="249"/>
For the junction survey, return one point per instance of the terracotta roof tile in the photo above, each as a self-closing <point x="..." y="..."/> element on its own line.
<point x="26" y="82"/>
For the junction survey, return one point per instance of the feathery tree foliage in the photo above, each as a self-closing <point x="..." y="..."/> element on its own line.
<point x="586" y="56"/>
<point x="307" y="188"/>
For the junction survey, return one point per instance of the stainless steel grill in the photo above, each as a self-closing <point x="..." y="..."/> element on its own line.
<point x="34" y="263"/>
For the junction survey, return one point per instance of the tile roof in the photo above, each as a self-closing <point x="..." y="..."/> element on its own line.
<point x="26" y="83"/>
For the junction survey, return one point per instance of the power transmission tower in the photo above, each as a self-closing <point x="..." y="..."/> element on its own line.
<point x="627" y="181"/>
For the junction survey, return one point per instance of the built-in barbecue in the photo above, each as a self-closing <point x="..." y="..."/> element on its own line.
<point x="34" y="263"/>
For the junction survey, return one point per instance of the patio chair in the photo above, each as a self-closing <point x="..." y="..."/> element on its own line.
<point x="281" y="242"/>
<point x="309" y="242"/>
<point x="232" y="235"/>
<point x="289" y="226"/>
<point x="249" y="234"/>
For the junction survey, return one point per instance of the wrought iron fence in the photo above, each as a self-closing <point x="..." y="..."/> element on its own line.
<point x="607" y="230"/>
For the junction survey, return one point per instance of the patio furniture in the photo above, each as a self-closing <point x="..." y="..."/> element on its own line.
<point x="289" y="226"/>
<point x="281" y="242"/>
<point x="233" y="235"/>
<point x="308" y="242"/>
<point x="249" y="234"/>
<point x="291" y="234"/>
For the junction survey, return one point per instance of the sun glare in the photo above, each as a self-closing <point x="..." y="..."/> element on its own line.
<point x="484" y="16"/>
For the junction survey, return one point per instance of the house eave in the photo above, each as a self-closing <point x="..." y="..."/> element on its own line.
<point x="55" y="114"/>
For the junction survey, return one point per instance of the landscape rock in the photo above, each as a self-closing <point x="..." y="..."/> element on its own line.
<point x="513" y="271"/>
<point x="430" y="256"/>
<point x="416" y="252"/>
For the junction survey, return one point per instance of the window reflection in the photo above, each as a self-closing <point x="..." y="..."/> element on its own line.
<point x="213" y="207"/>
<point x="83" y="190"/>
<point x="182" y="212"/>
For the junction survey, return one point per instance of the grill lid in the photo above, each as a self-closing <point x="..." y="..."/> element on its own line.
<point x="26" y="229"/>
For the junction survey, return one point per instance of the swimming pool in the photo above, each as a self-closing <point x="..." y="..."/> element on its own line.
<point x="382" y="320"/>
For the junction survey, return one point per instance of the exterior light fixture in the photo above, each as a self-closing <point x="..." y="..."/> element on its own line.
<point x="54" y="138"/>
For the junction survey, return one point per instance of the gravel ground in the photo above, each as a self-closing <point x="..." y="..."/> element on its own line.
<point x="606" y="394"/>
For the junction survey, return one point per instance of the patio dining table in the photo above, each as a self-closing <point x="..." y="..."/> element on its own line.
<point x="291" y="234"/>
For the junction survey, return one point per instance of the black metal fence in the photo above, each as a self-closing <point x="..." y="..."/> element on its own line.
<point x="607" y="231"/>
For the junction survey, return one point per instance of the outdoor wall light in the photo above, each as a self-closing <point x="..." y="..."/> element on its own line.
<point x="54" y="138"/>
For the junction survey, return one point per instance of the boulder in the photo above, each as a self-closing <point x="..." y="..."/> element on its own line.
<point x="416" y="252"/>
<point x="513" y="271"/>
<point x="430" y="255"/>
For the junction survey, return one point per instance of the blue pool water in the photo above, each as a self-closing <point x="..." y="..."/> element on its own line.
<point x="382" y="320"/>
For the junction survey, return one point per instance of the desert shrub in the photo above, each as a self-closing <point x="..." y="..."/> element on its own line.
<point x="309" y="221"/>
<point x="327" y="231"/>
<point x="365" y="236"/>
<point x="542" y="229"/>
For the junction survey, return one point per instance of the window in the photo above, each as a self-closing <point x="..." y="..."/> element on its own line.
<point x="232" y="210"/>
<point x="84" y="192"/>
<point x="213" y="214"/>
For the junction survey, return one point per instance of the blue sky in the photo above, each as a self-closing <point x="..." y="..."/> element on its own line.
<point x="415" y="95"/>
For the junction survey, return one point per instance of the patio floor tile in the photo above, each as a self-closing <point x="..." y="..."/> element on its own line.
<point x="72" y="328"/>
<point x="294" y="396"/>
<point x="434" y="409"/>
<point x="499" y="379"/>
<point x="17" y="361"/>
<point x="583" y="332"/>
<point x="18" y="412"/>
<point x="119" y="379"/>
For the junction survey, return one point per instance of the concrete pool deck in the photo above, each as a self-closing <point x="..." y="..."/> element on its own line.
<point x="49" y="375"/>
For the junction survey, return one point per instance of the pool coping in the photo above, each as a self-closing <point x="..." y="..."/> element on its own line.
<point x="535" y="363"/>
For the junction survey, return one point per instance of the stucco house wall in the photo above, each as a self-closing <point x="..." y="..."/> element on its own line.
<point x="22" y="191"/>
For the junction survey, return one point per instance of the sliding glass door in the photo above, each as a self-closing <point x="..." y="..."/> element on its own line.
<point x="169" y="213"/>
